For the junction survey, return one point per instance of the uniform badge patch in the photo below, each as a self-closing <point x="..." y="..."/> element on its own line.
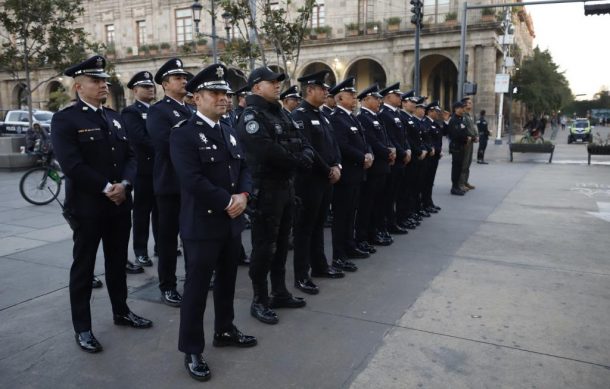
<point x="233" y="140"/>
<point x="85" y="108"/>
<point x="248" y="117"/>
<point x="396" y="120"/>
<point x="278" y="128"/>
<point x="315" y="122"/>
<point x="203" y="138"/>
<point x="176" y="113"/>
<point x="116" y="123"/>
<point x="214" y="147"/>
<point x="252" y="127"/>
<point x="354" y="129"/>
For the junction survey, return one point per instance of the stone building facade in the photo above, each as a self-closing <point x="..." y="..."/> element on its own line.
<point x="143" y="34"/>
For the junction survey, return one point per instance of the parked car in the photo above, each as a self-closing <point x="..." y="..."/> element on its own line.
<point x="580" y="131"/>
<point x="17" y="121"/>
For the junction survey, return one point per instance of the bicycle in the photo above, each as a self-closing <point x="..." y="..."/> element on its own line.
<point x="42" y="184"/>
<point x="530" y="137"/>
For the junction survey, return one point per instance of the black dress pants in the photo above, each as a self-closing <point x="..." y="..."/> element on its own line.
<point x="482" y="147"/>
<point x="370" y="207"/>
<point x="429" y="182"/>
<point x="345" y="202"/>
<point x="392" y="190"/>
<point x="113" y="230"/>
<point x="315" y="194"/>
<point x="202" y="257"/>
<point x="144" y="213"/>
<point x="457" y="161"/>
<point x="169" y="216"/>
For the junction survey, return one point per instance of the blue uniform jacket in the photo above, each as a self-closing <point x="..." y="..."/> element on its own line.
<point x="162" y="117"/>
<point x="396" y="131"/>
<point x="377" y="137"/>
<point x="92" y="152"/>
<point x="435" y="134"/>
<point x="352" y="144"/>
<point x="134" y="118"/>
<point x="211" y="167"/>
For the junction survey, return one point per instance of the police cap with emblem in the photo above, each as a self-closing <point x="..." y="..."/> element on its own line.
<point x="264" y="74"/>
<point x="458" y="104"/>
<point x="329" y="89"/>
<point x="172" y="67"/>
<point x="394" y="88"/>
<point x="420" y="102"/>
<point x="317" y="78"/>
<point x="372" y="90"/>
<point x="409" y="96"/>
<point x="243" y="91"/>
<point x="92" y="67"/>
<point x="433" y="106"/>
<point x="346" y="85"/>
<point x="212" y="77"/>
<point x="141" y="79"/>
<point x="292" y="92"/>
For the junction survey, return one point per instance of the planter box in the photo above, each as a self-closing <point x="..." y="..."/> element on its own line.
<point x="351" y="32"/>
<point x="532" y="148"/>
<point x="597" y="150"/>
<point x="488" y="18"/>
<point x="393" y="27"/>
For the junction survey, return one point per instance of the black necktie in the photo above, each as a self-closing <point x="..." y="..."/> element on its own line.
<point x="102" y="114"/>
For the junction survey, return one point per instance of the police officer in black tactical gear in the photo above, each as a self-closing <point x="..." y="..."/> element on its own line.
<point x="314" y="187"/>
<point x="275" y="149"/>
<point x="91" y="145"/>
<point x="162" y="116"/>
<point x="144" y="204"/>
<point x="369" y="220"/>
<point x="215" y="183"/>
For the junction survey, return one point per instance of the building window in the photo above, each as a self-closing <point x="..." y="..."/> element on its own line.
<point x="141" y="29"/>
<point x="365" y="11"/>
<point x="274" y="5"/>
<point x="184" y="26"/>
<point x="435" y="10"/>
<point x="109" y="33"/>
<point x="318" y="14"/>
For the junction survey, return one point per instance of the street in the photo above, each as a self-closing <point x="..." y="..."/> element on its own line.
<point x="506" y="287"/>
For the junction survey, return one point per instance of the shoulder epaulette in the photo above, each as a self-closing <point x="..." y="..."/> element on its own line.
<point x="180" y="123"/>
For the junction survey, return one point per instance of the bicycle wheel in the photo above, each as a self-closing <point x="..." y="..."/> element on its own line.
<point x="37" y="187"/>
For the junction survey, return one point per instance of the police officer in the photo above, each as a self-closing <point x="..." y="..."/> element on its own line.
<point x="274" y="150"/>
<point x="424" y="168"/>
<point x="435" y="132"/>
<point x="329" y="103"/>
<point x="389" y="116"/>
<point x="369" y="220"/>
<point x="241" y="94"/>
<point x="91" y="145"/>
<point x="290" y="98"/>
<point x="215" y="184"/>
<point x="162" y="116"/>
<point x="484" y="135"/>
<point x="459" y="138"/>
<point x="144" y="205"/>
<point x="314" y="187"/>
<point x="356" y="158"/>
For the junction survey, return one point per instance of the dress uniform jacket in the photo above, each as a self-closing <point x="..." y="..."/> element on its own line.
<point x="134" y="117"/>
<point x="378" y="139"/>
<point x="352" y="144"/>
<point x="396" y="131"/>
<point x="162" y="116"/>
<point x="326" y="110"/>
<point x="415" y="133"/>
<point x="92" y="150"/>
<point x="211" y="165"/>
<point x="458" y="134"/>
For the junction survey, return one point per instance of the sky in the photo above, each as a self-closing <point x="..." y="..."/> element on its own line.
<point x="578" y="44"/>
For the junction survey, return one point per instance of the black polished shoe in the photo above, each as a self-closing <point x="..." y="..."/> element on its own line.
<point x="97" y="283"/>
<point x="436" y="207"/>
<point x="212" y="281"/>
<point x="330" y="272"/>
<point x="424" y="213"/>
<point x="397" y="230"/>
<point x="87" y="342"/>
<point x="171" y="298"/>
<point x="307" y="286"/>
<point x="245" y="261"/>
<point x="387" y="236"/>
<point x="430" y="209"/>
<point x="144" y="260"/>
<point x="457" y="192"/>
<point x="414" y="221"/>
<point x="197" y="367"/>
<point x="366" y="247"/>
<point x="407" y="225"/>
<point x="344" y="265"/>
<point x="132" y="320"/>
<point x="286" y="301"/>
<point x="132" y="268"/>
<point x="264" y="314"/>
<point x="381" y="240"/>
<point x="233" y="337"/>
<point x="356" y="253"/>
<point x="416" y="216"/>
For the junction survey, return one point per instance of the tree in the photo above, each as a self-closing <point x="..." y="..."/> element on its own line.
<point x="541" y="86"/>
<point x="40" y="34"/>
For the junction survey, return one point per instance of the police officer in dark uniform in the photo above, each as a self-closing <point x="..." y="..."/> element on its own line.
<point x="356" y="158"/>
<point x="144" y="204"/>
<point x="458" y="136"/>
<point x="484" y="135"/>
<point x="215" y="184"/>
<point x="290" y="99"/>
<point x="162" y="116"/>
<point x="241" y="94"/>
<point x="389" y="115"/>
<point x="424" y="168"/>
<point x="435" y="133"/>
<point x="314" y="187"/>
<point x="274" y="150"/>
<point x="329" y="103"/>
<point x="91" y="145"/>
<point x="369" y="220"/>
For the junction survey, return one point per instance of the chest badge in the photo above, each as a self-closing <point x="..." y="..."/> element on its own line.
<point x="214" y="147"/>
<point x="232" y="140"/>
<point x="116" y="123"/>
<point x="176" y="113"/>
<point x="203" y="138"/>
<point x="144" y="116"/>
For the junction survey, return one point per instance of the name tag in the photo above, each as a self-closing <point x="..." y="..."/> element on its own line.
<point x="354" y="129"/>
<point x="315" y="122"/>
<point x="396" y="120"/>
<point x="375" y="122"/>
<point x="462" y="126"/>
<point x="85" y="130"/>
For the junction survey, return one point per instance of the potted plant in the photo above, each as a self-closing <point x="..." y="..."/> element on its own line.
<point x="599" y="146"/>
<point x="351" y="29"/>
<point x="451" y="18"/>
<point x="130" y="51"/>
<point x="165" y="48"/>
<point x="488" y="15"/>
<point x="322" y="32"/>
<point x="153" y="49"/>
<point x="393" y="23"/>
<point x="110" y="51"/>
<point x="202" y="44"/>
<point x="188" y="47"/>
<point x="143" y="50"/>
<point x="372" y="28"/>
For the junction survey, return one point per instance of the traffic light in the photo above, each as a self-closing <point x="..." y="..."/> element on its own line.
<point x="417" y="11"/>
<point x="593" y="9"/>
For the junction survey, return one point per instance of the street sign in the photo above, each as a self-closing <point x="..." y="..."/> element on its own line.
<point x="502" y="83"/>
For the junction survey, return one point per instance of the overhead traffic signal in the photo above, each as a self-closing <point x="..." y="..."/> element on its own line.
<point x="417" y="11"/>
<point x="594" y="9"/>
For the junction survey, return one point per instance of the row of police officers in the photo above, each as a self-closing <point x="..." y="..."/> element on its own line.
<point x="195" y="170"/>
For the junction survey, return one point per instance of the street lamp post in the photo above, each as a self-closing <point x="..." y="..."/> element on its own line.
<point x="197" y="7"/>
<point x="227" y="18"/>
